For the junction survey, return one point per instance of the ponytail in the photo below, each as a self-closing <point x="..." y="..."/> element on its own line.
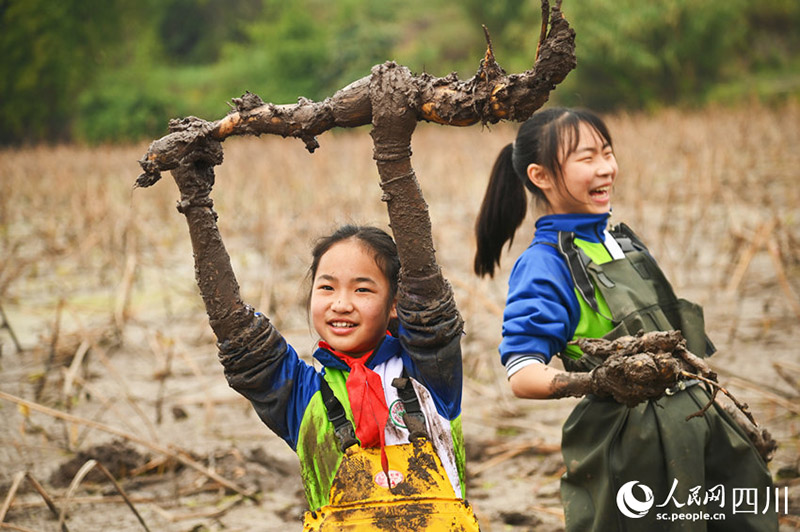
<point x="502" y="212"/>
<point x="546" y="138"/>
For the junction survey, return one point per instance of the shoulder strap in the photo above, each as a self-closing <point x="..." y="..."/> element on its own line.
<point x="577" y="262"/>
<point x="413" y="416"/>
<point x="344" y="429"/>
<point x="627" y="239"/>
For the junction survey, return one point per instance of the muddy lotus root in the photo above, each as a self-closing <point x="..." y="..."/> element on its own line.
<point x="642" y="367"/>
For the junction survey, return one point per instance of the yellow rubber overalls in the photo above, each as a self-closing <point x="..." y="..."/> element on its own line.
<point x="417" y="496"/>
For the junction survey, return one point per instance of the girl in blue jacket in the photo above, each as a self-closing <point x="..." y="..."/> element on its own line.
<point x="642" y="468"/>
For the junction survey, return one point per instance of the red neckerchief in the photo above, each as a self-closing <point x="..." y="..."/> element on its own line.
<point x="367" y="401"/>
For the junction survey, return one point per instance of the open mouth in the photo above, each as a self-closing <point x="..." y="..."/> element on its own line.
<point x="600" y="191"/>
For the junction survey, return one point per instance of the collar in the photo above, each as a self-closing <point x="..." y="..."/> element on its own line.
<point x="589" y="227"/>
<point x="388" y="348"/>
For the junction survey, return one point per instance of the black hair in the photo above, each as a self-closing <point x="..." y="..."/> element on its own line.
<point x="546" y="138"/>
<point x="379" y="241"/>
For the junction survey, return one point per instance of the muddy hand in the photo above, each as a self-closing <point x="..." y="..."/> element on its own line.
<point x="195" y="175"/>
<point x="189" y="140"/>
<point x="633" y="379"/>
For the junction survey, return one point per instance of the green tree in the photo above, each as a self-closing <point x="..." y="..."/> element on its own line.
<point x="119" y="69"/>
<point x="51" y="51"/>
<point x="638" y="54"/>
<point x="194" y="31"/>
<point x="311" y="48"/>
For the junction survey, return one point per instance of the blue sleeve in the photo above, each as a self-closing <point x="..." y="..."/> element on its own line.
<point x="431" y="339"/>
<point x="261" y="366"/>
<point x="440" y="371"/>
<point x="542" y="311"/>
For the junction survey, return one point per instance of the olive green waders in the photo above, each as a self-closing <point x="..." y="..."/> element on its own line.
<point x="685" y="465"/>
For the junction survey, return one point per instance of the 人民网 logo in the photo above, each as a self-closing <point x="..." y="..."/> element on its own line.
<point x="629" y="504"/>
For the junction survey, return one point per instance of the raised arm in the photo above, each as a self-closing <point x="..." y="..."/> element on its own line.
<point x="257" y="361"/>
<point x="227" y="313"/>
<point x="425" y="300"/>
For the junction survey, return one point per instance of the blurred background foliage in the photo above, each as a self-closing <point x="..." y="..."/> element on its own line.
<point x="117" y="70"/>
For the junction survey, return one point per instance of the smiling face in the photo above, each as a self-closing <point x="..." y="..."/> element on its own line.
<point x="588" y="175"/>
<point x="351" y="299"/>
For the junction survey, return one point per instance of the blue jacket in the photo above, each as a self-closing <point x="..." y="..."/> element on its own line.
<point x="285" y="390"/>
<point x="280" y="384"/>
<point x="542" y="309"/>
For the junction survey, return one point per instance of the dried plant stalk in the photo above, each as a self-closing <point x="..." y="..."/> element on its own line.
<point x="179" y="455"/>
<point x="18" y="478"/>
<point x="79" y="476"/>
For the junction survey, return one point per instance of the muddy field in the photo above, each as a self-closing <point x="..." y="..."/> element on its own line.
<point x="118" y="363"/>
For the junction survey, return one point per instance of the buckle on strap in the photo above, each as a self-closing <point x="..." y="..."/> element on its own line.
<point x="344" y="430"/>
<point x="413" y="416"/>
<point x="682" y="385"/>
